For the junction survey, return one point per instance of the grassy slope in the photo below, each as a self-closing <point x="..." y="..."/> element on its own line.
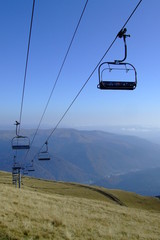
<point x="52" y="210"/>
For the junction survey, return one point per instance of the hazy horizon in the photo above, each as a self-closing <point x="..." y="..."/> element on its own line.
<point x="147" y="132"/>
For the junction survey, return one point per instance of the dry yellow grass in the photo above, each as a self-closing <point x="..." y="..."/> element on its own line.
<point x="29" y="214"/>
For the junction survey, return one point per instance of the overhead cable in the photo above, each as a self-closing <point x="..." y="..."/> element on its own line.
<point x="59" y="73"/>
<point x="79" y="92"/>
<point x="26" y="66"/>
<point x="25" y="74"/>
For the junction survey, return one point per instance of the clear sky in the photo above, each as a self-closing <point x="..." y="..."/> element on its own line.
<point x="53" y="26"/>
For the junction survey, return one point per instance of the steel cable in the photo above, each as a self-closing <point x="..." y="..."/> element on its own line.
<point x="79" y="92"/>
<point x="59" y="73"/>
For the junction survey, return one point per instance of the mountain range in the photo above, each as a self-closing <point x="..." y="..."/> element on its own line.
<point x="94" y="157"/>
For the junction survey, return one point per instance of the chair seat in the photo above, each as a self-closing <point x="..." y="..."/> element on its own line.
<point x="115" y="85"/>
<point x="16" y="147"/>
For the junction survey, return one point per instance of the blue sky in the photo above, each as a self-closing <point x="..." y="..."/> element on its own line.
<point x="53" y="27"/>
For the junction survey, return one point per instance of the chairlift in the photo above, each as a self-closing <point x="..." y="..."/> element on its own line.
<point x="25" y="172"/>
<point x="20" y="142"/>
<point x="30" y="169"/>
<point x="15" y="168"/>
<point x="14" y="171"/>
<point x="16" y="165"/>
<point x="107" y="68"/>
<point x="44" y="155"/>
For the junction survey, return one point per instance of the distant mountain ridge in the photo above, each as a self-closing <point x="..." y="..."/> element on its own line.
<point x="84" y="156"/>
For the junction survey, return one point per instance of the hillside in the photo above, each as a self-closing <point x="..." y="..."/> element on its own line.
<point x="85" y="156"/>
<point x="58" y="210"/>
<point x="94" y="153"/>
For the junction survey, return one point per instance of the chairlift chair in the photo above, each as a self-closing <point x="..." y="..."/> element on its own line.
<point x="16" y="165"/>
<point x="25" y="172"/>
<point x="44" y="155"/>
<point x="117" y="65"/>
<point x="114" y="84"/>
<point x="20" y="142"/>
<point x="30" y="169"/>
<point x="14" y="171"/>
